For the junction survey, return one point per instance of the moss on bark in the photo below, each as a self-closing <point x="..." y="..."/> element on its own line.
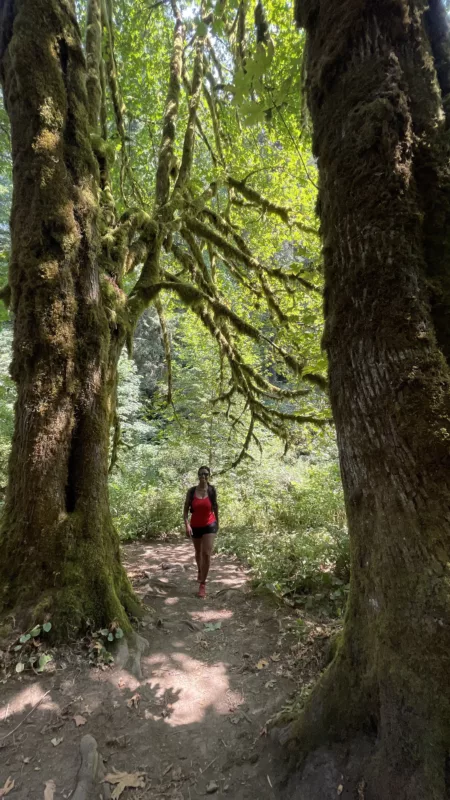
<point x="384" y="203"/>
<point x="58" y="548"/>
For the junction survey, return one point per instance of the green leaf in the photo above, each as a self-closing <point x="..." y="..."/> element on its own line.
<point x="25" y="637"/>
<point x="119" y="633"/>
<point x="202" y="29"/>
<point x="43" y="661"/>
<point x="36" y="631"/>
<point x="104" y="631"/>
<point x="110" y="637"/>
<point x="47" y="626"/>
<point x="20" y="667"/>
<point x="212" y="626"/>
<point x="17" y="648"/>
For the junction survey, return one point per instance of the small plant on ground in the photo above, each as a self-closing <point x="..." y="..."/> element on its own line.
<point x="28" y="651"/>
<point x="98" y="643"/>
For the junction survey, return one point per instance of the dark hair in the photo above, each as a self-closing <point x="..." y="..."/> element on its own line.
<point x="204" y="467"/>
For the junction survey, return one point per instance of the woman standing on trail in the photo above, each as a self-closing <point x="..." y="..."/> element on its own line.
<point x="201" y="502"/>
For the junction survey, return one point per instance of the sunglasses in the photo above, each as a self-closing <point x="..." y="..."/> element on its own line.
<point x="203" y="474"/>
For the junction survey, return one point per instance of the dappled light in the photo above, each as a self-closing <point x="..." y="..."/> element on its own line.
<point x="25" y="698"/>
<point x="193" y="716"/>
<point x="211" y="615"/>
<point x="224" y="327"/>
<point x="177" y="676"/>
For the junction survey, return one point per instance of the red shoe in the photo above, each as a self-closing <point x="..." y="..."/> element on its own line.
<point x="202" y="591"/>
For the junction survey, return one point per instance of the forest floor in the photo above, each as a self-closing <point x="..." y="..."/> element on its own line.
<point x="194" y="723"/>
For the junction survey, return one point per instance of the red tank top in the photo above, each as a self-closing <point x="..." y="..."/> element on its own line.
<point x="202" y="513"/>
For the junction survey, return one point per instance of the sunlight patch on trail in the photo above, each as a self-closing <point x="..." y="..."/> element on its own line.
<point x="197" y="686"/>
<point x="211" y="615"/>
<point x="25" y="700"/>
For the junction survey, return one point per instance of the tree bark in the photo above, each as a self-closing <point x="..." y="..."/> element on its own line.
<point x="381" y="139"/>
<point x="59" y="553"/>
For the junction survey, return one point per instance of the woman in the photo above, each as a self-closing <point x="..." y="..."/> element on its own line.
<point x="201" y="502"/>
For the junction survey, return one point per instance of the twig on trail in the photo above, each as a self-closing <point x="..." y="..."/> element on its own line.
<point x="224" y="743"/>
<point x="202" y="771"/>
<point x="2" y="739"/>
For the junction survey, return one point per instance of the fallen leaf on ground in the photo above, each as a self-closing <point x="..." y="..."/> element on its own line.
<point x="275" y="657"/>
<point x="49" y="791"/>
<point x="212" y="787"/>
<point x="79" y="720"/>
<point x="213" y="626"/>
<point x="26" y="760"/>
<point x="270" y="684"/>
<point x="340" y="789"/>
<point x="9" y="785"/>
<point x="56" y="742"/>
<point x="124" y="780"/>
<point x="262" y="663"/>
<point x="133" y="702"/>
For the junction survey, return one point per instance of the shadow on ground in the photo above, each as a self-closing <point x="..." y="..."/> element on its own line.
<point x="213" y="673"/>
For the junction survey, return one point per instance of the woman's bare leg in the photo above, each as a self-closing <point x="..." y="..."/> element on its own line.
<point x="198" y="555"/>
<point x="207" y="546"/>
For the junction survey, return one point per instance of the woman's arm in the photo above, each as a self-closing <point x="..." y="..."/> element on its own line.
<point x="215" y="506"/>
<point x="187" y="503"/>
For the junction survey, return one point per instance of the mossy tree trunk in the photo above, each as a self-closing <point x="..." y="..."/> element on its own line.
<point x="377" y="83"/>
<point x="59" y="553"/>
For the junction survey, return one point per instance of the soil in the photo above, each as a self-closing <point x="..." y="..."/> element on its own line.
<point x="195" y="721"/>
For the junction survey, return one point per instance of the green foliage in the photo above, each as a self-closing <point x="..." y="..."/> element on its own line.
<point x="288" y="522"/>
<point x="28" y="653"/>
<point x="282" y="514"/>
<point x="100" y="641"/>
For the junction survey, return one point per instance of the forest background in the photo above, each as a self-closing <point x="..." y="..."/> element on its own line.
<point x="276" y="473"/>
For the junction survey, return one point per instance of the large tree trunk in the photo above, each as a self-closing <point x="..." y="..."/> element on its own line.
<point x="383" y="152"/>
<point x="59" y="553"/>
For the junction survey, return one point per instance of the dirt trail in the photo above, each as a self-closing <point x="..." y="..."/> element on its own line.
<point x="214" y="671"/>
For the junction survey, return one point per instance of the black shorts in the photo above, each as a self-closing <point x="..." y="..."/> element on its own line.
<point x="197" y="533"/>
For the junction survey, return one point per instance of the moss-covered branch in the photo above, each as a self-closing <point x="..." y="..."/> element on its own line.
<point x="267" y="206"/>
<point x="189" y="137"/>
<point x="167" y="348"/>
<point x="166" y="161"/>
<point x="211" y="103"/>
<point x="93" y="62"/>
